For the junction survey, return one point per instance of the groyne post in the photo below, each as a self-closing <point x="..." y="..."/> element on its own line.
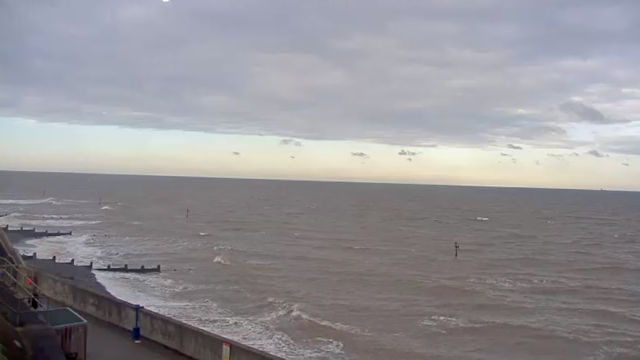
<point x="53" y="258"/>
<point x="72" y="262"/>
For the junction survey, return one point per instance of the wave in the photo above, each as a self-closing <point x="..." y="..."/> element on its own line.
<point x="206" y="314"/>
<point x="221" y="260"/>
<point x="507" y="283"/>
<point x="106" y="207"/>
<point x="52" y="222"/>
<point x="448" y="321"/>
<point x="292" y="311"/>
<point x="480" y="218"/>
<point x="50" y="200"/>
<point x="68" y="246"/>
<point x="27" y="201"/>
<point x="47" y="216"/>
<point x="380" y="248"/>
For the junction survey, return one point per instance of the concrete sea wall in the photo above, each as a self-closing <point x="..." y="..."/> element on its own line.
<point x="169" y="332"/>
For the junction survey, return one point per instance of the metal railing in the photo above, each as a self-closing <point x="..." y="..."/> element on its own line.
<point x="30" y="295"/>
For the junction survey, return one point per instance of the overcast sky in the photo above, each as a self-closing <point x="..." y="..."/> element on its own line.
<point x="485" y="92"/>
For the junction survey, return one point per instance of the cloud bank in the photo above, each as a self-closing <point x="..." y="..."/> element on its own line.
<point x="403" y="72"/>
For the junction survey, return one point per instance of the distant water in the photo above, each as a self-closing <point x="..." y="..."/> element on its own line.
<point x="311" y="270"/>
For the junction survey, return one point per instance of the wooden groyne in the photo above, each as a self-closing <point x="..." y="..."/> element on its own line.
<point x="32" y="233"/>
<point x="127" y="269"/>
<point x="34" y="256"/>
<point x="142" y="269"/>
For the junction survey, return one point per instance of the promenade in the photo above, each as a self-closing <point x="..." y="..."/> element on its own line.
<point x="107" y="342"/>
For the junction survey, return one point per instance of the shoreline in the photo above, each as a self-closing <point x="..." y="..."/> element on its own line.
<point x="80" y="276"/>
<point x="77" y="275"/>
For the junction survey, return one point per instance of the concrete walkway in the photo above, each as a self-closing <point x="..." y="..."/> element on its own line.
<point x="108" y="342"/>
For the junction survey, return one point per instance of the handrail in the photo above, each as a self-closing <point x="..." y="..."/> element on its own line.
<point x="22" y="287"/>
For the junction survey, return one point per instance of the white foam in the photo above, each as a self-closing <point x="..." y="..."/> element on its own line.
<point x="153" y="292"/>
<point x="203" y="234"/>
<point x="57" y="222"/>
<point x="27" y="201"/>
<point x="480" y="218"/>
<point x="441" y="323"/>
<point x="63" y="247"/>
<point x="334" y="325"/>
<point x="293" y="311"/>
<point x="106" y="207"/>
<point x="48" y="216"/>
<point x="221" y="260"/>
<point x="50" y="200"/>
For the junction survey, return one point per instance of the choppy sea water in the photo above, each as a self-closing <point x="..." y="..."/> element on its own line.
<point x="311" y="270"/>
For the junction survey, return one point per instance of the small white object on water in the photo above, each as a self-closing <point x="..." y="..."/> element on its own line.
<point x="480" y="218"/>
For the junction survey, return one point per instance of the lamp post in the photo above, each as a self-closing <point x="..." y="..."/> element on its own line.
<point x="136" y="329"/>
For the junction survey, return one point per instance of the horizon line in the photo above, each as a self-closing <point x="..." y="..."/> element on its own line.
<point x="348" y="181"/>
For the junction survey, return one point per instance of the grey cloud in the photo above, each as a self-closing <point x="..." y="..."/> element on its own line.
<point x="596" y="153"/>
<point x="292" y="142"/>
<point x="583" y="112"/>
<point x="574" y="154"/>
<point x="407" y="153"/>
<point x="392" y="72"/>
<point x="622" y="144"/>
<point x="360" y="155"/>
<point x="537" y="162"/>
<point x="514" y="147"/>
<point x="236" y="153"/>
<point x="505" y="154"/>
<point x="409" y="159"/>
<point x="556" y="156"/>
<point x="625" y="164"/>
<point x="292" y="157"/>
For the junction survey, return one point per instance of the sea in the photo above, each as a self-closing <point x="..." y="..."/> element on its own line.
<point x="328" y="270"/>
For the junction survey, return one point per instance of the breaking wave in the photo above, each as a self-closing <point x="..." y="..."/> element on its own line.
<point x="28" y="201"/>
<point x="292" y="311"/>
<point x="221" y="260"/>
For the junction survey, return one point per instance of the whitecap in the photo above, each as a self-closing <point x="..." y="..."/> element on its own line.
<point x="51" y="222"/>
<point x="206" y="314"/>
<point x="221" y="260"/>
<point x="293" y="311"/>
<point x="27" y="201"/>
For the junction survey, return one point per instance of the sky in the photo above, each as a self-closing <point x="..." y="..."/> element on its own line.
<point x="515" y="93"/>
